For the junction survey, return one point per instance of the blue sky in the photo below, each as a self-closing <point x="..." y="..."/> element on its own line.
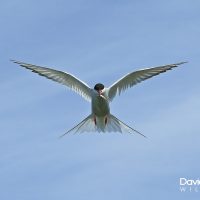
<point x="99" y="41"/>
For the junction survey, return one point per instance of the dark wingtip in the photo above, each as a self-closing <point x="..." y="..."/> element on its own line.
<point x="15" y="61"/>
<point x="180" y="63"/>
<point x="12" y="60"/>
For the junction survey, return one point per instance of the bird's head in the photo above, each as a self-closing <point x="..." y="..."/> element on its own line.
<point x="99" y="88"/>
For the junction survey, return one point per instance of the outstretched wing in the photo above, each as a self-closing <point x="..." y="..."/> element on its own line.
<point x="61" y="77"/>
<point x="133" y="78"/>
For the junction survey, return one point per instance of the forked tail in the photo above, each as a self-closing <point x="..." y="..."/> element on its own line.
<point x="102" y="124"/>
<point x="120" y="126"/>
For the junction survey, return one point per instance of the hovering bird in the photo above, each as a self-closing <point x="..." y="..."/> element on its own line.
<point x="100" y="119"/>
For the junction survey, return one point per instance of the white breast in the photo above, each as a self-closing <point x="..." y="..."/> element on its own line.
<point x="100" y="105"/>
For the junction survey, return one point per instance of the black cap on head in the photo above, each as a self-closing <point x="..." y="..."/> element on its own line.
<point x="99" y="86"/>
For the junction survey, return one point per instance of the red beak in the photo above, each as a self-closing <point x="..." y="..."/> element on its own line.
<point x="100" y="92"/>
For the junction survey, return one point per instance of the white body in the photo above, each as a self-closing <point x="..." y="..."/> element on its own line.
<point x="100" y="104"/>
<point x="100" y="110"/>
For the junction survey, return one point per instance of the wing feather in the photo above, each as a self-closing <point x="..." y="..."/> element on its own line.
<point x="136" y="77"/>
<point x="64" y="78"/>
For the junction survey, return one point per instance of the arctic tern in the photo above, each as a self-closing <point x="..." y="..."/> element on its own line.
<point x="100" y="119"/>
